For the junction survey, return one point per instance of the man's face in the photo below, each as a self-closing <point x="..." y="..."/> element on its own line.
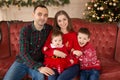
<point x="82" y="39"/>
<point x="57" y="41"/>
<point x="40" y="16"/>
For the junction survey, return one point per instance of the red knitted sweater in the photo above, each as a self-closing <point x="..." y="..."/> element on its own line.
<point x="89" y="58"/>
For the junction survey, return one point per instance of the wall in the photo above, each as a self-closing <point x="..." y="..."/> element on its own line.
<point x="75" y="9"/>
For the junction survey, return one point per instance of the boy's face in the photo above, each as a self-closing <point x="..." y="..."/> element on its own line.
<point x="82" y="39"/>
<point x="57" y="41"/>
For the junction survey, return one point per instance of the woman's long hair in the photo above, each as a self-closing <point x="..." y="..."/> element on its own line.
<point x="62" y="12"/>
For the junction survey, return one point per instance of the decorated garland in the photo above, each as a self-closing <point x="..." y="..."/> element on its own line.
<point x="21" y="3"/>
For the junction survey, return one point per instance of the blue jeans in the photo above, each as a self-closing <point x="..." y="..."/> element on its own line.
<point x="18" y="70"/>
<point x="89" y="74"/>
<point x="67" y="74"/>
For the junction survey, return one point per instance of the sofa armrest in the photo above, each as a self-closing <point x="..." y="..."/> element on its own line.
<point x="117" y="54"/>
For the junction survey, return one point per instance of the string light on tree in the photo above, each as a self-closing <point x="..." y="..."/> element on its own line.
<point x="103" y="11"/>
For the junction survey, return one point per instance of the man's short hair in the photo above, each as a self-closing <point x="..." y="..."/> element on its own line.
<point x="84" y="31"/>
<point x="42" y="6"/>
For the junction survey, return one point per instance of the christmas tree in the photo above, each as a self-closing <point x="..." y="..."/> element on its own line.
<point x="103" y="11"/>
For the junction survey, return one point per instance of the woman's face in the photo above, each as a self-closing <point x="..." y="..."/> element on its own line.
<point x="62" y="21"/>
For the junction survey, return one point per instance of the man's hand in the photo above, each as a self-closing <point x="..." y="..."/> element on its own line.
<point x="46" y="71"/>
<point x="59" y="54"/>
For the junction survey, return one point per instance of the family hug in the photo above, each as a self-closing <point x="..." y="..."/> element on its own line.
<point x="54" y="52"/>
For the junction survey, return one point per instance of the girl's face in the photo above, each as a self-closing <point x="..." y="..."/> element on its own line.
<point x="57" y="41"/>
<point x="82" y="39"/>
<point x="62" y="21"/>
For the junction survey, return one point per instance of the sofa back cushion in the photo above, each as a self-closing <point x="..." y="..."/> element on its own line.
<point x="15" y="28"/>
<point x="103" y="36"/>
<point x="4" y="43"/>
<point x="117" y="54"/>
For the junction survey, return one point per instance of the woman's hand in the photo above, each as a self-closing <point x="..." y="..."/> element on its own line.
<point x="77" y="52"/>
<point x="59" y="54"/>
<point x="46" y="71"/>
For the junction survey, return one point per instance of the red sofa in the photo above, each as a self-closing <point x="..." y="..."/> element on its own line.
<point x="105" y="38"/>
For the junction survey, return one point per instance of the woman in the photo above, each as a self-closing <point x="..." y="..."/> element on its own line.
<point x="63" y="23"/>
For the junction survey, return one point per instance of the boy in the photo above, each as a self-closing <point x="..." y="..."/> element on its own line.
<point x="86" y="54"/>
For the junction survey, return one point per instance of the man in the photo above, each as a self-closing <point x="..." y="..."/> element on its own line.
<point x="32" y="38"/>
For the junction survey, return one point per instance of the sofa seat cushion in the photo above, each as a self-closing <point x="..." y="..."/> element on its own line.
<point x="5" y="64"/>
<point x="110" y="69"/>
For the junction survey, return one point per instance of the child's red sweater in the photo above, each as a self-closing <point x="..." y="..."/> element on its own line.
<point x="89" y="58"/>
<point x="56" y="62"/>
<point x="69" y="40"/>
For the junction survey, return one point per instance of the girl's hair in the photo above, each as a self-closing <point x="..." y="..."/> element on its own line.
<point x="84" y="31"/>
<point x="56" y="32"/>
<point x="62" y="12"/>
